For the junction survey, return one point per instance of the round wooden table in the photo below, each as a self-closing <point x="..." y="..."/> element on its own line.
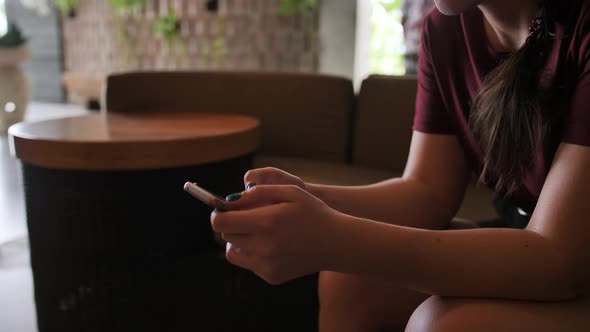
<point x="115" y="241"/>
<point x="135" y="141"/>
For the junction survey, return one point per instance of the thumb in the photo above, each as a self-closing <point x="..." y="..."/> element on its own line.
<point x="262" y="195"/>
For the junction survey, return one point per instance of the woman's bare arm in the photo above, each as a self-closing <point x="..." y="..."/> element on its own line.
<point x="547" y="261"/>
<point x="427" y="196"/>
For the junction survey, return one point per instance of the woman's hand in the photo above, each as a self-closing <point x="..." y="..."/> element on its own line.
<point x="271" y="175"/>
<point x="282" y="232"/>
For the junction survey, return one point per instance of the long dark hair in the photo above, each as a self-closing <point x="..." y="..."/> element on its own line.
<point x="507" y="114"/>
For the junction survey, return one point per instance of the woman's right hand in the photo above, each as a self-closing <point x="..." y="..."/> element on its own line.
<point x="271" y="176"/>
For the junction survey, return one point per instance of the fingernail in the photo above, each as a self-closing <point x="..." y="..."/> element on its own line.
<point x="250" y="186"/>
<point x="229" y="246"/>
<point x="233" y="197"/>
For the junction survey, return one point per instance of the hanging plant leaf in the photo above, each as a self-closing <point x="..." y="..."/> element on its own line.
<point x="67" y="8"/>
<point x="297" y="7"/>
<point x="126" y="7"/>
<point x="167" y="27"/>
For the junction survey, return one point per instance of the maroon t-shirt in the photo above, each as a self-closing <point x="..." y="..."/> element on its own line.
<point x="456" y="56"/>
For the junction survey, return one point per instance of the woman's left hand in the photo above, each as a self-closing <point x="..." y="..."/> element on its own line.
<point x="282" y="232"/>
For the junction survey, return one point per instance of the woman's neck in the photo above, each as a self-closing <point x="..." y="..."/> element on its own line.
<point x="507" y="22"/>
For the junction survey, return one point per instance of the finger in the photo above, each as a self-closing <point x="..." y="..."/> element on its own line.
<point x="239" y="257"/>
<point x="245" y="242"/>
<point x="249" y="221"/>
<point x="266" y="175"/>
<point x="262" y="195"/>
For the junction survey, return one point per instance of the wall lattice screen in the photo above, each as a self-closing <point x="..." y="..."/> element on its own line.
<point x="241" y="35"/>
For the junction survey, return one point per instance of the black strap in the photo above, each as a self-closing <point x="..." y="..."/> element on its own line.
<point x="511" y="215"/>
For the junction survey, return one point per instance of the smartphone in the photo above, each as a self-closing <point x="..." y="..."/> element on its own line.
<point x="206" y="197"/>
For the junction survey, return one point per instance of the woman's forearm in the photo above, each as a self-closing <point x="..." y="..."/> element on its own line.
<point x="402" y="201"/>
<point x="499" y="263"/>
<point x="427" y="196"/>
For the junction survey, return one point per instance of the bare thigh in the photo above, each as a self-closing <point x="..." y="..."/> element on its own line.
<point x="458" y="315"/>
<point x="360" y="303"/>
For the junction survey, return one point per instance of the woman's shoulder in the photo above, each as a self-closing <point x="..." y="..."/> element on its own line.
<point x="573" y="18"/>
<point x="573" y="15"/>
<point x="583" y="21"/>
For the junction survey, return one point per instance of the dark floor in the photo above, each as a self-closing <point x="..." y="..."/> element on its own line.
<point x="17" y="312"/>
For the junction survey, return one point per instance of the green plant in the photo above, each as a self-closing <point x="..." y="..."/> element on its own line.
<point x="218" y="46"/>
<point x="13" y="37"/>
<point x="297" y="7"/>
<point x="167" y="27"/>
<point x="123" y="7"/>
<point x="387" y="39"/>
<point x="390" y="6"/>
<point x="67" y="7"/>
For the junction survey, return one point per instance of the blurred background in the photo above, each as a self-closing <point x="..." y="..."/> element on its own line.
<point x="87" y="39"/>
<point x="56" y="54"/>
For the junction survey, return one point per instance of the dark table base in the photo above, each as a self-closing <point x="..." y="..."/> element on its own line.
<point x="131" y="251"/>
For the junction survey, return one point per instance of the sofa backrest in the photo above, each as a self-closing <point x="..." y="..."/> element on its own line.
<point x="302" y="115"/>
<point x="383" y="122"/>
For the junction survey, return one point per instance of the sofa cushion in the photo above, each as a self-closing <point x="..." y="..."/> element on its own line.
<point x="301" y="115"/>
<point x="477" y="204"/>
<point x="384" y="118"/>
<point x="322" y="172"/>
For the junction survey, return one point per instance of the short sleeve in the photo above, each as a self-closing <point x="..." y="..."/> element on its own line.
<point x="577" y="122"/>
<point x="431" y="116"/>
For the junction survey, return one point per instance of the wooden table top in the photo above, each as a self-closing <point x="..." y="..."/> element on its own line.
<point x="117" y="141"/>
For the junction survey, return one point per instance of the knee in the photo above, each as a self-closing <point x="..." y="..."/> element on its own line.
<point x="339" y="291"/>
<point x="348" y="299"/>
<point x="364" y="303"/>
<point x="442" y="315"/>
<point x="426" y="316"/>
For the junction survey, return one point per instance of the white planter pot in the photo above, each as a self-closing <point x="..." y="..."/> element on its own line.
<point x="14" y="86"/>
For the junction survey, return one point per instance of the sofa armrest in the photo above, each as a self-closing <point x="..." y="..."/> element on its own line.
<point x="383" y="124"/>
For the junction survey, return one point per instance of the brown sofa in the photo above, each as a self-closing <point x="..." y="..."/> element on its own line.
<point x="313" y="126"/>
<point x="379" y="145"/>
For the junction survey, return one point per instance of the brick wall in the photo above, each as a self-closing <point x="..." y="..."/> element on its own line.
<point x="242" y="35"/>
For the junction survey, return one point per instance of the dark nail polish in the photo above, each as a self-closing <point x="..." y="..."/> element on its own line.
<point x="250" y="186"/>
<point x="233" y="197"/>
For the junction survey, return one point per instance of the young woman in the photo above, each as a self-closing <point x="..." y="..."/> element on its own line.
<point x="504" y="91"/>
